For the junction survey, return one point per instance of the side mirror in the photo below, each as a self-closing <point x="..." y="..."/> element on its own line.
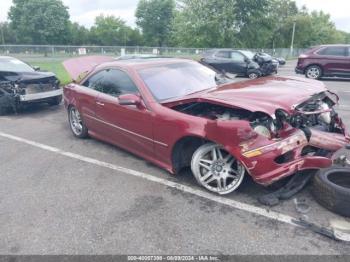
<point x="129" y="100"/>
<point x="36" y="68"/>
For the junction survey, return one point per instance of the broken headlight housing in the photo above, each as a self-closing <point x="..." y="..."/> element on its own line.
<point x="263" y="125"/>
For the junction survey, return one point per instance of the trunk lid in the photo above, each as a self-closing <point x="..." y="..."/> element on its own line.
<point x="79" y="67"/>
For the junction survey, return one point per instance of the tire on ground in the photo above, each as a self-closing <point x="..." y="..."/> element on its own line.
<point x="331" y="189"/>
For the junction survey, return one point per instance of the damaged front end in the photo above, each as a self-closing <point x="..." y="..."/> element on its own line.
<point x="303" y="138"/>
<point x="28" y="89"/>
<point x="9" y="96"/>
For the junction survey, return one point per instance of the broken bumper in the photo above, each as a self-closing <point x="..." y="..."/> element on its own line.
<point x="266" y="164"/>
<point x="40" y="96"/>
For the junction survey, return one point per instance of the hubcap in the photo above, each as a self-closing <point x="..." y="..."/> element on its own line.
<point x="75" y="121"/>
<point x="216" y="170"/>
<point x="313" y="72"/>
<point x="253" y="76"/>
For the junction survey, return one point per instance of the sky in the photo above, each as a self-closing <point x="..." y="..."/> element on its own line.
<point x="85" y="11"/>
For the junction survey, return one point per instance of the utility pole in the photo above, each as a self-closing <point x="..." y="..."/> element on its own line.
<point x="2" y="34"/>
<point x="293" y="34"/>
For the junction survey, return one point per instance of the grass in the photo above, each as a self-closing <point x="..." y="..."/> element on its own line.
<point x="56" y="67"/>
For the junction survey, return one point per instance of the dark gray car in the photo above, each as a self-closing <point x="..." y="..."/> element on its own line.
<point x="240" y="62"/>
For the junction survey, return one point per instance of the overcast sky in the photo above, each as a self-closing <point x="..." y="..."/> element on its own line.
<point x="85" y="11"/>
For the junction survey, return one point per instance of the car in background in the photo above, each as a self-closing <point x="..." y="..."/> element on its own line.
<point x="176" y="114"/>
<point x="21" y="83"/>
<point x="325" y="61"/>
<point x="281" y="60"/>
<point x="240" y="62"/>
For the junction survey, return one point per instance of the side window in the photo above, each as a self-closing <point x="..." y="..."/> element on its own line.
<point x="112" y="82"/>
<point x="333" y="51"/>
<point x="237" y="57"/>
<point x="223" y="54"/>
<point x="94" y="81"/>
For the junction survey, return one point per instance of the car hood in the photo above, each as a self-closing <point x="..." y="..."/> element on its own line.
<point x="25" y="77"/>
<point x="265" y="94"/>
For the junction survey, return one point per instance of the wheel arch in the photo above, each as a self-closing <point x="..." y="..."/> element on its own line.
<point x="184" y="147"/>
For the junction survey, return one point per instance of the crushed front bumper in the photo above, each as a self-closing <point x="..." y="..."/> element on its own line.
<point x="284" y="157"/>
<point x="40" y="96"/>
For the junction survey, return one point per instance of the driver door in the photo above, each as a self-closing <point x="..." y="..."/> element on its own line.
<point x="130" y="127"/>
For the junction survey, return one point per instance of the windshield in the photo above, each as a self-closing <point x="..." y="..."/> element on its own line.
<point x="177" y="80"/>
<point x="14" y="65"/>
<point x="248" y="54"/>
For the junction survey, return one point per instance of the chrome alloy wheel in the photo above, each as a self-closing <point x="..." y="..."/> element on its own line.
<point x="313" y="72"/>
<point x="217" y="170"/>
<point x="75" y="121"/>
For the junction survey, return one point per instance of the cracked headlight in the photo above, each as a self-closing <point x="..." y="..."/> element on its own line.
<point x="263" y="130"/>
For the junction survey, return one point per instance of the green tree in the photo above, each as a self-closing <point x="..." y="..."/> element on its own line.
<point x="40" y="21"/>
<point x="78" y="34"/>
<point x="205" y="23"/>
<point x="155" y="17"/>
<point x="255" y="23"/>
<point x="281" y="11"/>
<point x="109" y="30"/>
<point x="7" y="35"/>
<point x="313" y="28"/>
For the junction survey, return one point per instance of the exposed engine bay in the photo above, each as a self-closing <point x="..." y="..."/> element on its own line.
<point x="212" y="111"/>
<point x="316" y="113"/>
<point x="10" y="91"/>
<point x="7" y="96"/>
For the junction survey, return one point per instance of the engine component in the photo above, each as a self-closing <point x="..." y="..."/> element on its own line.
<point x="263" y="124"/>
<point x="212" y="111"/>
<point x="263" y="130"/>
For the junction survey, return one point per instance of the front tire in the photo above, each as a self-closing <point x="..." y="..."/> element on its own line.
<point x="76" y="123"/>
<point x="313" y="72"/>
<point x="217" y="170"/>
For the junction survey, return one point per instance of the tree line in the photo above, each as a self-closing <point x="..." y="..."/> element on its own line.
<point x="178" y="23"/>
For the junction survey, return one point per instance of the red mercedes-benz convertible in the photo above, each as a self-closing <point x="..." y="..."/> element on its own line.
<point x="179" y="113"/>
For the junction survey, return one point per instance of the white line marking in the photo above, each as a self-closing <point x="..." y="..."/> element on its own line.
<point x="197" y="192"/>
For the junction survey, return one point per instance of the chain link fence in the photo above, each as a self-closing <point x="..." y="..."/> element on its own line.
<point x="40" y="52"/>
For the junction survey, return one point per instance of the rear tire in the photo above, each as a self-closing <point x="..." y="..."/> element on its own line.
<point x="331" y="189"/>
<point x="313" y="72"/>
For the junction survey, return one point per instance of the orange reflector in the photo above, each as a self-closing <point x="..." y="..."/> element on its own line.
<point x="252" y="153"/>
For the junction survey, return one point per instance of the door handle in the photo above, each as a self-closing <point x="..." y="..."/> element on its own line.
<point x="100" y="104"/>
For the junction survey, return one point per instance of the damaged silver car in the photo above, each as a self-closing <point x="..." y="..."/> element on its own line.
<point x="21" y="84"/>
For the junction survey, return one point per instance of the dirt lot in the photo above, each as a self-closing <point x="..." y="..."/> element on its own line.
<point x="61" y="195"/>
